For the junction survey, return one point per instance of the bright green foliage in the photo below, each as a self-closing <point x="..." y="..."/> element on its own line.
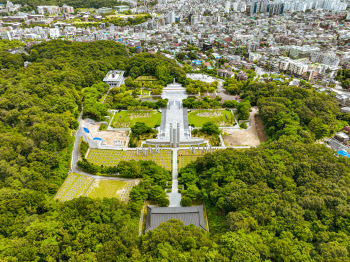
<point x="186" y="201"/>
<point x="230" y="104"/>
<point x="243" y="110"/>
<point x="83" y="148"/>
<point x="290" y="111"/>
<point x="210" y="128"/>
<point x="196" y="86"/>
<point x="92" y="108"/>
<point x="175" y="242"/>
<point x="344" y="77"/>
<point x="205" y="102"/>
<point x="130" y="21"/>
<point x="283" y="201"/>
<point x="163" y="73"/>
<point x="154" y="65"/>
<point x="71" y="230"/>
<point x="74" y="3"/>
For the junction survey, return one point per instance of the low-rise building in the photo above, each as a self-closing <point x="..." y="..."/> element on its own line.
<point x="114" y="78"/>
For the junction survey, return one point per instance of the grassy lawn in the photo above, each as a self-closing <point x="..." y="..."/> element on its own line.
<point x="219" y="117"/>
<point x="109" y="188"/>
<point x="126" y="119"/>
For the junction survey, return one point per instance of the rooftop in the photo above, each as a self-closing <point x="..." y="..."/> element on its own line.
<point x="188" y="216"/>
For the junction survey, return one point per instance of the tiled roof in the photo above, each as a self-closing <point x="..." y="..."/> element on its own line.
<point x="188" y="216"/>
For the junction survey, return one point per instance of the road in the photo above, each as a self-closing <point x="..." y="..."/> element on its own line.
<point x="75" y="155"/>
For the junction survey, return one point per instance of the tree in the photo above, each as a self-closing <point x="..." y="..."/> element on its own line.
<point x="129" y="169"/>
<point x="141" y="128"/>
<point x="243" y="110"/>
<point x="320" y="129"/>
<point x="210" y="128"/>
<point x="230" y="103"/>
<point x="33" y="55"/>
<point x="238" y="245"/>
<point x="186" y="201"/>
<point x="180" y="56"/>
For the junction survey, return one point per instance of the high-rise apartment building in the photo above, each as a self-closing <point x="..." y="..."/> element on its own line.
<point x="171" y="17"/>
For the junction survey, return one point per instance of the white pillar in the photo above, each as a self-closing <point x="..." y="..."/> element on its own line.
<point x="174" y="137"/>
<point x="178" y="134"/>
<point x="171" y="134"/>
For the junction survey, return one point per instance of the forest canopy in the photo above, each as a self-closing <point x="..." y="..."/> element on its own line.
<point x="287" y="200"/>
<point x="291" y="112"/>
<point x="291" y="200"/>
<point x="73" y="3"/>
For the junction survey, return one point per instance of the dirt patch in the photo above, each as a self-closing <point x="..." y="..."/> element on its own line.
<point x="225" y="97"/>
<point x="109" y="136"/>
<point x="246" y="137"/>
<point x="260" y="128"/>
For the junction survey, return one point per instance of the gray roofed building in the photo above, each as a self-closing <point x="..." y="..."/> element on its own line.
<point x="188" y="216"/>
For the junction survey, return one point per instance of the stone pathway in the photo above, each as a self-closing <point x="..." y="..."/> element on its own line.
<point x="175" y="196"/>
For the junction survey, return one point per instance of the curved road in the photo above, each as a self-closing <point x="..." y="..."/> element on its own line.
<point x="75" y="155"/>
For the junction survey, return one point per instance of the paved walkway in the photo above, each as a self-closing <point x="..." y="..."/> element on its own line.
<point x="175" y="196"/>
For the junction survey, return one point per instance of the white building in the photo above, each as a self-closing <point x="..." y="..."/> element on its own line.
<point x="254" y="56"/>
<point x="171" y="17"/>
<point x="114" y="78"/>
<point x="297" y="68"/>
<point x="325" y="58"/>
<point x="54" y="32"/>
<point x="6" y="35"/>
<point x="194" y="20"/>
<point x="283" y="65"/>
<point x="227" y="7"/>
<point x="50" y="9"/>
<point x="293" y="66"/>
<point x="302" y="51"/>
<point x="252" y="45"/>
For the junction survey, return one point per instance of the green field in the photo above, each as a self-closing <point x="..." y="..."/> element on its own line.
<point x="126" y="119"/>
<point x="199" y="117"/>
<point x="111" y="188"/>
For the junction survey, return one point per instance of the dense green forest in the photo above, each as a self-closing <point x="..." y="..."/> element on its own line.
<point x="344" y="77"/>
<point x="284" y="201"/>
<point x="291" y="112"/>
<point x="39" y="106"/>
<point x="117" y="21"/>
<point x="287" y="200"/>
<point x="74" y="3"/>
